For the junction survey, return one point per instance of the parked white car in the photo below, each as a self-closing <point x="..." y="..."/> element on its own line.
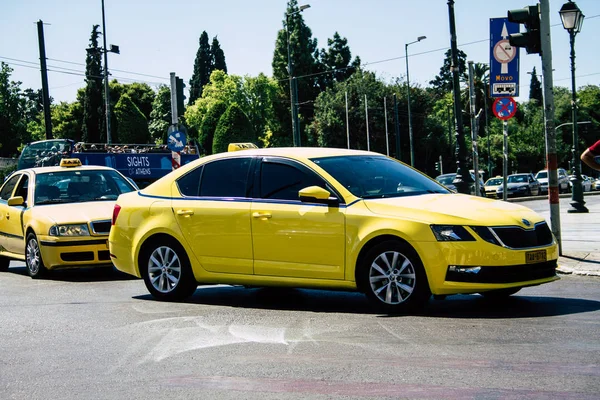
<point x="586" y="183"/>
<point x="563" y="181"/>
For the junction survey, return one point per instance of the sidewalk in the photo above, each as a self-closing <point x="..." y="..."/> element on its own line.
<point x="580" y="236"/>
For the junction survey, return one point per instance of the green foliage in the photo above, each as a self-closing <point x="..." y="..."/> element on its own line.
<point x="337" y="61"/>
<point x="93" y="109"/>
<point x="209" y="126"/>
<point x="202" y="69"/>
<point x="141" y="94"/>
<point x="13" y="124"/>
<point x="234" y="126"/>
<point x="160" y="116"/>
<point x="535" y="88"/>
<point x="6" y="171"/>
<point x="443" y="82"/>
<point x="217" y="56"/>
<point x="133" y="126"/>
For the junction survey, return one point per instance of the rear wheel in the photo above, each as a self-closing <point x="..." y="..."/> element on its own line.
<point x="33" y="258"/>
<point x="166" y="270"/>
<point x="4" y="263"/>
<point x="392" y="276"/>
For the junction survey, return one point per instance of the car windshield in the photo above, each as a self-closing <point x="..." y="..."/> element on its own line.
<point x="541" y="175"/>
<point x="373" y="177"/>
<point x="517" y="179"/>
<point x="494" y="181"/>
<point x="79" y="186"/>
<point x="446" y="179"/>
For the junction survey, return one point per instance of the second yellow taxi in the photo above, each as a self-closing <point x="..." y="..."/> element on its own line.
<point x="330" y="219"/>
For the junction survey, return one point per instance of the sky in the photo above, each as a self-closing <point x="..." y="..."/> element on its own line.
<point x="157" y="37"/>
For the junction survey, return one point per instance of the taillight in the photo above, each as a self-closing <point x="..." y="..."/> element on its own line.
<point x="116" y="212"/>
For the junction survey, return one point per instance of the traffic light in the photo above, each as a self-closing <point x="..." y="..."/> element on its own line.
<point x="530" y="17"/>
<point x="179" y="85"/>
<point x="437" y="166"/>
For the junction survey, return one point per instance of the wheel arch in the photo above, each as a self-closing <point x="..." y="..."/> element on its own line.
<point x="374" y="241"/>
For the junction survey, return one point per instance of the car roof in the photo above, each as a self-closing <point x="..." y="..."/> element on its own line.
<point x="297" y="152"/>
<point x="43" y="170"/>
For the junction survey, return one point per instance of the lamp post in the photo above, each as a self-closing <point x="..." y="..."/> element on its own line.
<point x="113" y="49"/>
<point x="410" y="130"/>
<point x="294" y="103"/>
<point x="572" y="19"/>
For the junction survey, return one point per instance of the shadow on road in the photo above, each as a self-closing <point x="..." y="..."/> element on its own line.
<point x="460" y="306"/>
<point x="79" y="274"/>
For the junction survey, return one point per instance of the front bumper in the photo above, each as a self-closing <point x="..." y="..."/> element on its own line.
<point x="488" y="267"/>
<point x="77" y="252"/>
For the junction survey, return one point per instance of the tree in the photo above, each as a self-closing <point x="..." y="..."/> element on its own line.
<point x="443" y="82"/>
<point x="133" y="126"/>
<point x="336" y="61"/>
<point x="140" y="93"/>
<point x="160" y="116"/>
<point x="535" y="88"/>
<point x="209" y="126"/>
<point x="13" y="125"/>
<point x="93" y="111"/>
<point x="233" y="126"/>
<point x="202" y="69"/>
<point x="66" y="120"/>
<point x="304" y="57"/>
<point x="217" y="56"/>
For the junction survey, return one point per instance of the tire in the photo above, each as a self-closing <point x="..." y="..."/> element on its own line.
<point x="33" y="258"/>
<point x="166" y="270"/>
<point x="499" y="294"/>
<point x="528" y="192"/>
<point x="4" y="263"/>
<point x="393" y="278"/>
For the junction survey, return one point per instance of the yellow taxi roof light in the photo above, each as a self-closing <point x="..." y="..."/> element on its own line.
<point x="70" y="162"/>
<point x="241" y="146"/>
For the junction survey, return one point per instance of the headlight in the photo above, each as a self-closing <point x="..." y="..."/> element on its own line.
<point x="451" y="233"/>
<point x="69" y="230"/>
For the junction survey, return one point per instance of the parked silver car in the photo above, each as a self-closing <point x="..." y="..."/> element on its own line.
<point x="519" y="185"/>
<point x="563" y="181"/>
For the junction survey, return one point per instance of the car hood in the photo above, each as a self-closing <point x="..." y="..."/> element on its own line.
<point x="72" y="213"/>
<point x="514" y="185"/>
<point x="454" y="209"/>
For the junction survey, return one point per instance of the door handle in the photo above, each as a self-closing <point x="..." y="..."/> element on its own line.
<point x="7" y="216"/>
<point x="261" y="215"/>
<point x="185" y="212"/>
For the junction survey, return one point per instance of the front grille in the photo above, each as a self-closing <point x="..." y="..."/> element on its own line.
<point x="518" y="238"/>
<point x="78" y="256"/>
<point x="101" y="227"/>
<point x="506" y="273"/>
<point x="103" y="255"/>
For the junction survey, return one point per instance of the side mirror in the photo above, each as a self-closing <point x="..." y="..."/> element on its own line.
<point x="316" y="194"/>
<point x="16" y="201"/>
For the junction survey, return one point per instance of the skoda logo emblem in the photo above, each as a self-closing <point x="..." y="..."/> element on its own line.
<point x="525" y="222"/>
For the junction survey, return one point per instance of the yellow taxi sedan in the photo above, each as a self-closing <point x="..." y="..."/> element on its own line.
<point x="58" y="217"/>
<point x="491" y="186"/>
<point x="329" y="219"/>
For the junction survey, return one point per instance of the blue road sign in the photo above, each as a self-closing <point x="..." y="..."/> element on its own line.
<point x="504" y="59"/>
<point x="176" y="141"/>
<point x="504" y="108"/>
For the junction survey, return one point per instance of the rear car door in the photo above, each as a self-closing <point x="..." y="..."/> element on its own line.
<point x="213" y="212"/>
<point x="292" y="238"/>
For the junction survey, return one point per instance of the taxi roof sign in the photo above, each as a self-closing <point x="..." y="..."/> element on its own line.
<point x="241" y="146"/>
<point x="70" y="162"/>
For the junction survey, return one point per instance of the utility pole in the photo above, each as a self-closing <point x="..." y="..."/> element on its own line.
<point x="347" y="123"/>
<point x="463" y="179"/>
<point x="397" y="128"/>
<point x="367" y="122"/>
<point x="44" y="69"/>
<point x="106" y="88"/>
<point x="474" y="128"/>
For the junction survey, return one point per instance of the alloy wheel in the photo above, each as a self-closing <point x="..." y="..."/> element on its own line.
<point x="392" y="277"/>
<point x="164" y="269"/>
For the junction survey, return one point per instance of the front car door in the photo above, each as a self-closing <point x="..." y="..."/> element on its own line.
<point x="212" y="207"/>
<point x="11" y="223"/>
<point x="292" y="238"/>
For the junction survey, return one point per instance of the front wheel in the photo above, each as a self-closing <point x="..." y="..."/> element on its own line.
<point x="33" y="258"/>
<point x="166" y="270"/>
<point x="392" y="276"/>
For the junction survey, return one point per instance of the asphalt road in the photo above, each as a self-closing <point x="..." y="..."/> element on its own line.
<point x="94" y="334"/>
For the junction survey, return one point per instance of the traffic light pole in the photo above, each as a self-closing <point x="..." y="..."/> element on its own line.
<point x="551" y="156"/>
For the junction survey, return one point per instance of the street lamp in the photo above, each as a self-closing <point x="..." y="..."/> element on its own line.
<point x="572" y="19"/>
<point x="113" y="49"/>
<point x="410" y="130"/>
<point x="294" y="103"/>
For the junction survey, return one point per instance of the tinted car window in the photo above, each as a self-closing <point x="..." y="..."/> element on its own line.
<point x="225" y="178"/>
<point x="8" y="187"/>
<point x="22" y="187"/>
<point x="189" y="184"/>
<point x="378" y="176"/>
<point x="283" y="181"/>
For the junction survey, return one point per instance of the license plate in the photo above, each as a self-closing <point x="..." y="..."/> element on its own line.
<point x="535" y="256"/>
